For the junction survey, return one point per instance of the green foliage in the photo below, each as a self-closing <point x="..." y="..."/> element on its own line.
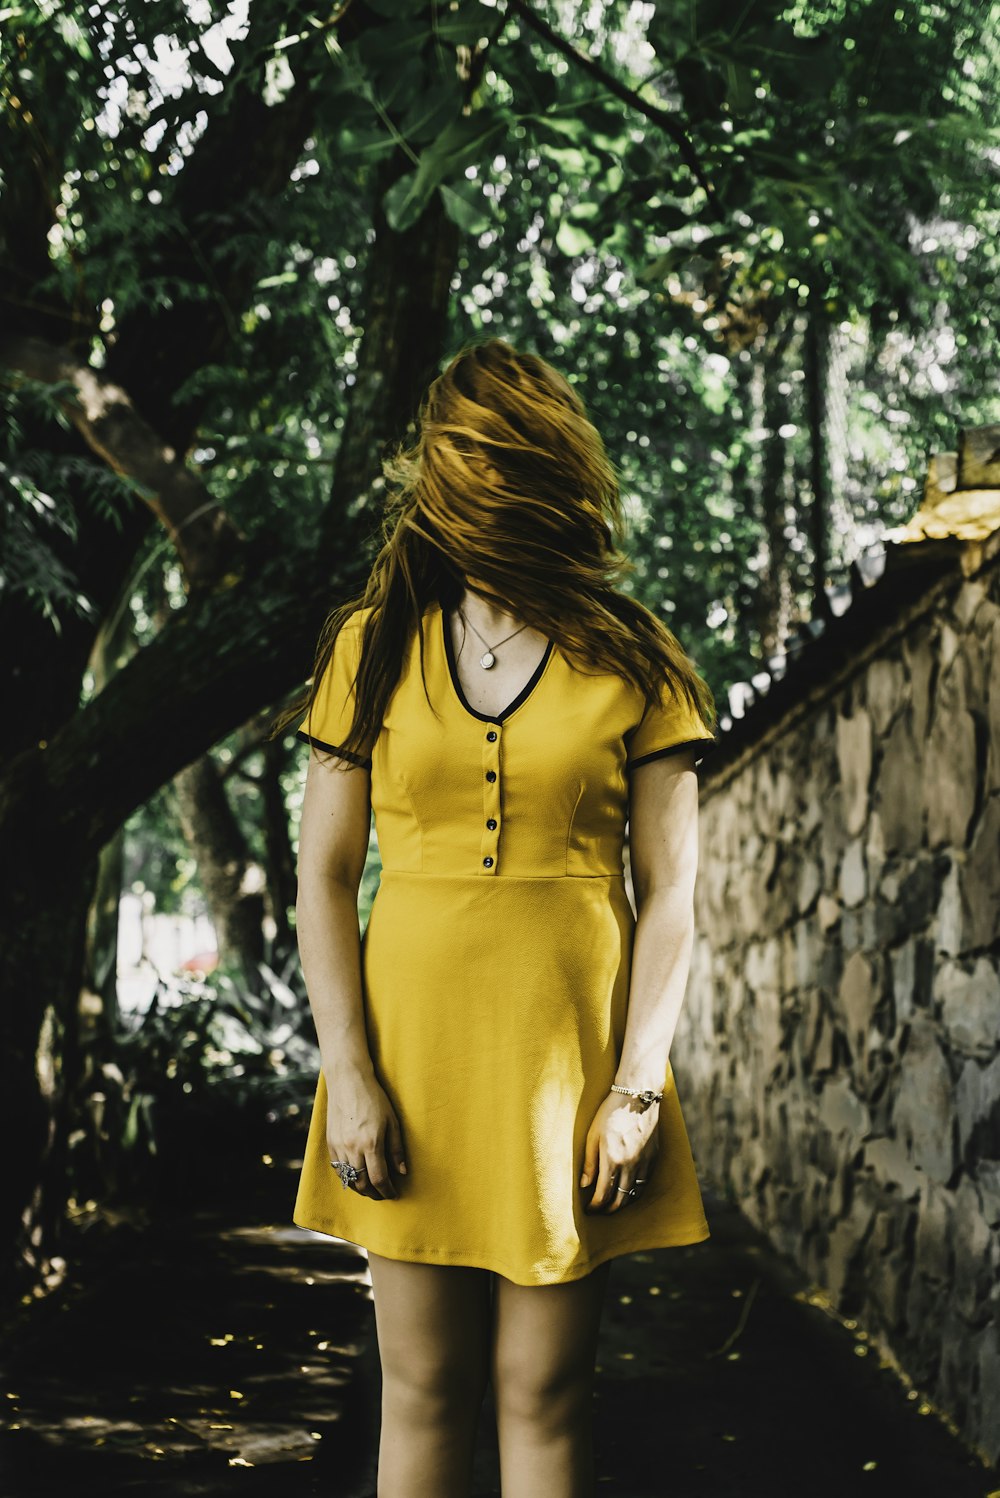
<point x="849" y="156"/>
<point x="46" y="497"/>
<point x="202" y="1050"/>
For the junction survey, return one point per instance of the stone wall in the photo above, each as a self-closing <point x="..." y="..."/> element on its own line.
<point x="839" y="1046"/>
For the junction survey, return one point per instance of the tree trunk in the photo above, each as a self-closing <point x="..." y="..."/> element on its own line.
<point x="817" y="345"/>
<point x="231" y="878"/>
<point x="281" y="883"/>
<point x="773" y="607"/>
<point x="407" y="296"/>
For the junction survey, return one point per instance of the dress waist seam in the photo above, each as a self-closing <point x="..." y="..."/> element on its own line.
<point x="494" y="878"/>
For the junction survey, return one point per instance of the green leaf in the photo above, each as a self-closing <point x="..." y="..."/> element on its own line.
<point x="371" y="142"/>
<point x="406" y="86"/>
<point x="461" y="28"/>
<point x="561" y="127"/>
<point x="383" y="48"/>
<point x="573" y="239"/>
<point x="131" y="1127"/>
<point x="465" y="206"/>
<point x="462" y="142"/>
<point x="428" y="115"/>
<point x="406" y="200"/>
<point x="570" y="161"/>
<point x="739" y="87"/>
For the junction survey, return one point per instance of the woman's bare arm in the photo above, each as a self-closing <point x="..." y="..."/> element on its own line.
<point x="663" y="852"/>
<point x="362" y="1128"/>
<point x="663" y="849"/>
<point x="333" y="846"/>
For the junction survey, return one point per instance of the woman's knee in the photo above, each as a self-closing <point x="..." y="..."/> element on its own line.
<point x="433" y="1335"/>
<point x="542" y="1360"/>
<point x="433" y="1389"/>
<point x="553" y="1398"/>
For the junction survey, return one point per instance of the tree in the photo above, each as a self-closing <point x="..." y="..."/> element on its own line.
<point x="253" y="602"/>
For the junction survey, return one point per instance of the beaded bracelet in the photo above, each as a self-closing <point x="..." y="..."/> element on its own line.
<point x="646" y="1097"/>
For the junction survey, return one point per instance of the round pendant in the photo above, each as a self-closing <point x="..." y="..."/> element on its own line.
<point x="487" y="660"/>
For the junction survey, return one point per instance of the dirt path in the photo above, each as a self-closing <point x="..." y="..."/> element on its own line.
<point x="215" y="1356"/>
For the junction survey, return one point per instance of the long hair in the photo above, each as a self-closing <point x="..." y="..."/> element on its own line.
<point x="506" y="482"/>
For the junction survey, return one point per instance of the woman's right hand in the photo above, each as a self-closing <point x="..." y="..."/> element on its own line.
<point x="362" y="1129"/>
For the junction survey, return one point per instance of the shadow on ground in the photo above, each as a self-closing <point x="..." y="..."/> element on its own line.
<point x="228" y="1352"/>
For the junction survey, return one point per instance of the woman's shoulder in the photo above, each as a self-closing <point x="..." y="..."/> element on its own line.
<point x="359" y="618"/>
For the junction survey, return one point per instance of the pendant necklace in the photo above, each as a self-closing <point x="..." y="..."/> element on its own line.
<point x="488" y="660"/>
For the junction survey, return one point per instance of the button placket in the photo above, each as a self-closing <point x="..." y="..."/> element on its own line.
<point x="490" y="843"/>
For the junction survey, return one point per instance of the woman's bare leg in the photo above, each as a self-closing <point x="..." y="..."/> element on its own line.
<point x="433" y="1325"/>
<point x="544" y="1348"/>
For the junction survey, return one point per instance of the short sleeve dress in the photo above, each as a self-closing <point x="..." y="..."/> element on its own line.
<point x="496" y="964"/>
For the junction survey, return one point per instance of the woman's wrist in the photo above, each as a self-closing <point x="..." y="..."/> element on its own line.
<point x="349" y="1061"/>
<point x="645" y="1095"/>
<point x="640" y="1079"/>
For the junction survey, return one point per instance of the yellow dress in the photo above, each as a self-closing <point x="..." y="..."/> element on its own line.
<point x="495" y="967"/>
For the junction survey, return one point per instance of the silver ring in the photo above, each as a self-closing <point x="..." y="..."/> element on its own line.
<point x="348" y="1173"/>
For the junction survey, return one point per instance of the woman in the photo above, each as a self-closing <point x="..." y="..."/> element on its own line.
<point x="495" y="1117"/>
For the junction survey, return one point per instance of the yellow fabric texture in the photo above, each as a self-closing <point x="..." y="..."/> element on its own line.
<point x="496" y="964"/>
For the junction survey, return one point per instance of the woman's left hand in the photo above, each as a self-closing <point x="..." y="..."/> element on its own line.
<point x="623" y="1143"/>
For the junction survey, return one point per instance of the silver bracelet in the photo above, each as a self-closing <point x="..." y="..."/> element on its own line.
<point x="647" y="1097"/>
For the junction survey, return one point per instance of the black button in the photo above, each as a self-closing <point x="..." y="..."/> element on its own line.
<point x="491" y="824"/>
<point x="491" y="735"/>
<point x="491" y="774"/>
<point x="488" y="862"/>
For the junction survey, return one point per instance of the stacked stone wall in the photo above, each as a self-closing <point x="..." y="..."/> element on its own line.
<point x="839" y="1046"/>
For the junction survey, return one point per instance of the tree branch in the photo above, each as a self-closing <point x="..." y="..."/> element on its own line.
<point x="205" y="537"/>
<point x="652" y="112"/>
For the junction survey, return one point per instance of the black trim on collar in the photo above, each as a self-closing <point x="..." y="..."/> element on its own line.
<point x="522" y="695"/>
<point x="354" y="759"/>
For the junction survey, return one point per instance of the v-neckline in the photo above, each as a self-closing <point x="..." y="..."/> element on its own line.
<point x="519" y="700"/>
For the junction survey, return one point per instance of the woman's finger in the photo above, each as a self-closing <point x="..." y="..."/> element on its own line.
<point x="591" y="1160"/>
<point x="357" y="1159"/>
<point x="395" y="1151"/>
<point x="363" y="1185"/>
<point x="379" y="1178"/>
<point x="649" y="1157"/>
<point x="644" y="1167"/>
<point x="604" y="1186"/>
<point x="623" y="1186"/>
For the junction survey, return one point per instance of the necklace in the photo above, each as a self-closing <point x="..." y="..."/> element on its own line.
<point x="488" y="660"/>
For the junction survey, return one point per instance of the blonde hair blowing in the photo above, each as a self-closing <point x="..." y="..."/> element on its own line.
<point x="507" y="482"/>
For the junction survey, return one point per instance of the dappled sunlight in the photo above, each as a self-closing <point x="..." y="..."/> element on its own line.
<point x="249" y="1358"/>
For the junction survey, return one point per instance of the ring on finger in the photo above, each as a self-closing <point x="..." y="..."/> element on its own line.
<point x="349" y="1174"/>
